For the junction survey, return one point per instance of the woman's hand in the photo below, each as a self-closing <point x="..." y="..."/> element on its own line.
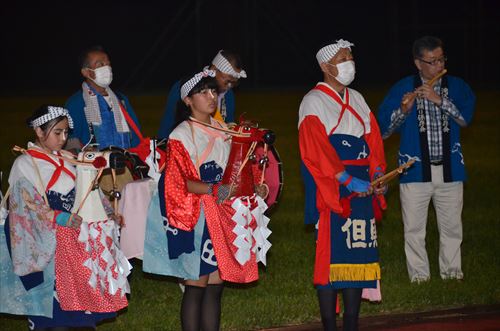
<point x="117" y="218"/>
<point x="262" y="190"/>
<point x="224" y="192"/>
<point x="74" y="221"/>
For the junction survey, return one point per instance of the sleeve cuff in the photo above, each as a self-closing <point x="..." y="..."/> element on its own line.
<point x="62" y="217"/>
<point x="449" y="108"/>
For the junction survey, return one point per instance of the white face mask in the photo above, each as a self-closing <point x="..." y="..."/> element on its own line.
<point x="103" y="76"/>
<point x="346" y="73"/>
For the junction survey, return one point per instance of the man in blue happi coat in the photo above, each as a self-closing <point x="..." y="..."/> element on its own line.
<point x="101" y="117"/>
<point x="429" y="118"/>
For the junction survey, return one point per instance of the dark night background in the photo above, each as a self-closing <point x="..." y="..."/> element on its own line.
<point x="152" y="44"/>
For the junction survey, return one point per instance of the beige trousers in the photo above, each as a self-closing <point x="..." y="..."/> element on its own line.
<point x="448" y="201"/>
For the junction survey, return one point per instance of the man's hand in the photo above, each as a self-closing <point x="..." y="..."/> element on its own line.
<point x="427" y="92"/>
<point x="354" y="184"/>
<point x="407" y="102"/>
<point x="382" y="187"/>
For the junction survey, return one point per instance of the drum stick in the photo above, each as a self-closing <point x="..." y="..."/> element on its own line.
<point x="391" y="175"/>
<point x="115" y="200"/>
<point x="263" y="166"/>
<point x="162" y="167"/>
<point x="91" y="187"/>
<point x="430" y="83"/>
<point x="245" y="160"/>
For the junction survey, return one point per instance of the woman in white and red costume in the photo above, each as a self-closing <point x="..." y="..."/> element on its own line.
<point x="196" y="224"/>
<point x="44" y="264"/>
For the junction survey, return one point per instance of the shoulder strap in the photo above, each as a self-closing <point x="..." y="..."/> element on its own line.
<point x="130" y="121"/>
<point x="345" y="105"/>
<point x="329" y="92"/>
<point x="59" y="167"/>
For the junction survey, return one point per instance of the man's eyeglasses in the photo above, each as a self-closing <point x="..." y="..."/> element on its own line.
<point x="441" y="60"/>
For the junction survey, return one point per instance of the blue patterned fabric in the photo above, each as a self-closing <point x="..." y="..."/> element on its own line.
<point x="106" y="134"/>
<point x="211" y="172"/>
<point x="74" y="319"/>
<point x="311" y="213"/>
<point x="75" y="105"/>
<point x="156" y="257"/>
<point x="353" y="239"/>
<point x="15" y="298"/>
<point x="188" y="254"/>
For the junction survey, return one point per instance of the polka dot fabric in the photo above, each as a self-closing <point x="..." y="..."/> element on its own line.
<point x="183" y="208"/>
<point x="221" y="228"/>
<point x="73" y="290"/>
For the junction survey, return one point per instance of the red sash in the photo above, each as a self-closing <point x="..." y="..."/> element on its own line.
<point x="130" y="121"/>
<point x="59" y="167"/>
<point x="142" y="149"/>
<point x="345" y="105"/>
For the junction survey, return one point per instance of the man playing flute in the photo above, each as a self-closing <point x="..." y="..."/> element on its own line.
<point x="429" y="114"/>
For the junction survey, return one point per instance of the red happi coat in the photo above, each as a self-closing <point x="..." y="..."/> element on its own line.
<point x="318" y="120"/>
<point x="183" y="211"/>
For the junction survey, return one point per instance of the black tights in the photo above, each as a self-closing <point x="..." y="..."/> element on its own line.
<point x="327" y="304"/>
<point x="201" y="307"/>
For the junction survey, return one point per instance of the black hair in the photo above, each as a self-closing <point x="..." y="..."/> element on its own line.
<point x="182" y="111"/>
<point x="425" y="43"/>
<point x="83" y="58"/>
<point x="233" y="58"/>
<point x="39" y="112"/>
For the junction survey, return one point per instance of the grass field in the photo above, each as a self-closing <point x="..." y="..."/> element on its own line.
<point x="284" y="294"/>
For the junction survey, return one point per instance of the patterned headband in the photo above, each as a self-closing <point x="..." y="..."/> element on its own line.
<point x="221" y="63"/>
<point x="54" y="112"/>
<point x="326" y="53"/>
<point x="188" y="86"/>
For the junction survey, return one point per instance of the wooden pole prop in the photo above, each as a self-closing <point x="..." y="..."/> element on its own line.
<point x="391" y="175"/>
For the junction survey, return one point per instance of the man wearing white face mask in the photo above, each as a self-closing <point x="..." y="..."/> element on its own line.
<point x="341" y="150"/>
<point x="101" y="116"/>
<point x="228" y="71"/>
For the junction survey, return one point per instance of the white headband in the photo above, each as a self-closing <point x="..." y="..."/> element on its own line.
<point x="326" y="53"/>
<point x="221" y="63"/>
<point x="188" y="86"/>
<point x="54" y="112"/>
